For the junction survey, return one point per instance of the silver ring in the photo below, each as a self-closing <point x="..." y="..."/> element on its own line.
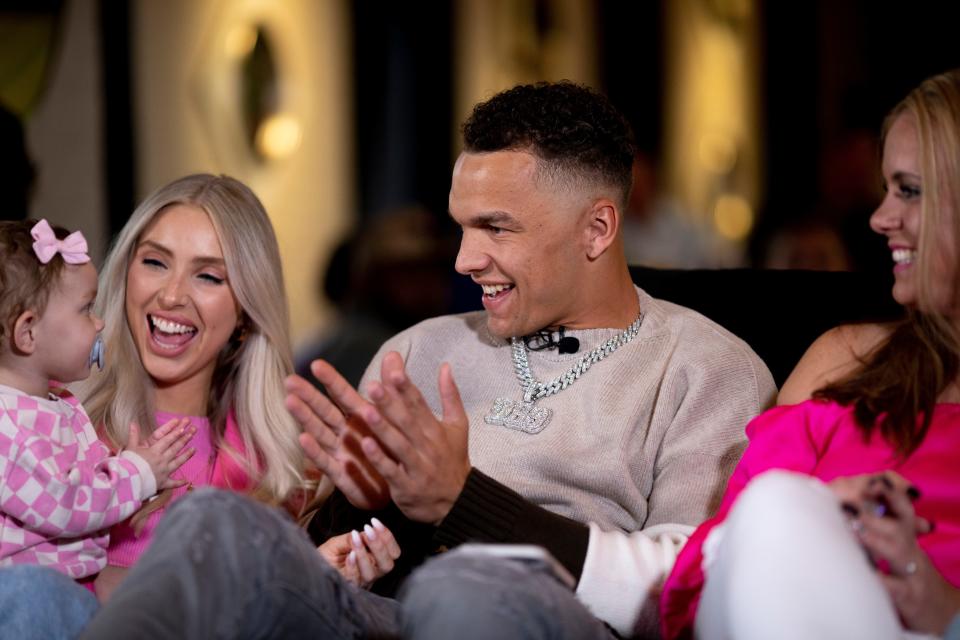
<point x="910" y="568"/>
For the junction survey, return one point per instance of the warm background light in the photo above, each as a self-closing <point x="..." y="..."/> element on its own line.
<point x="279" y="136"/>
<point x="240" y="41"/>
<point x="718" y="153"/>
<point x="500" y="43"/>
<point x="733" y="217"/>
<point x="189" y="119"/>
<point x="712" y="131"/>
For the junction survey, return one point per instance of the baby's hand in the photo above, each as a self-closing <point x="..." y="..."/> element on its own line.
<point x="165" y="450"/>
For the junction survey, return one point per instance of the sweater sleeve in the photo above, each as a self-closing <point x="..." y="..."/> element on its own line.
<point x="706" y="402"/>
<point x="712" y="398"/>
<point x="623" y="572"/>
<point x="616" y="570"/>
<point x="57" y="496"/>
<point x="488" y="511"/>
<point x="714" y="386"/>
<point x="779" y="439"/>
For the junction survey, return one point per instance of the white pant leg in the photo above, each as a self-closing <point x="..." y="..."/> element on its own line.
<point x="787" y="566"/>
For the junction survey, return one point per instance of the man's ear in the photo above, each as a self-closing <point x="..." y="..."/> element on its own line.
<point x="603" y="223"/>
<point x="25" y="331"/>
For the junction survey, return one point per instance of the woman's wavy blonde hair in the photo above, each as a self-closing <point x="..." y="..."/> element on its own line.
<point x="934" y="107"/>
<point x="897" y="386"/>
<point x="249" y="375"/>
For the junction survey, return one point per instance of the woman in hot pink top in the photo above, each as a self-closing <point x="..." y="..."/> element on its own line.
<point x="822" y="439"/>
<point x="842" y="520"/>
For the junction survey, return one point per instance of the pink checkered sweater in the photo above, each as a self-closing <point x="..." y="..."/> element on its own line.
<point x="60" y="489"/>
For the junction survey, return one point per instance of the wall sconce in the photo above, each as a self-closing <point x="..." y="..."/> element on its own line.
<point x="241" y="95"/>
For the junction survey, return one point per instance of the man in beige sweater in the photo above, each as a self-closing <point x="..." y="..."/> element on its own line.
<point x="575" y="412"/>
<point x="607" y="456"/>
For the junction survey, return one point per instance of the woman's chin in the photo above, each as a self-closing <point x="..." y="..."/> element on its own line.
<point x="904" y="295"/>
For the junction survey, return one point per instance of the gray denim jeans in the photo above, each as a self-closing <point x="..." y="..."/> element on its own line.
<point x="476" y="598"/>
<point x="39" y="603"/>
<point x="222" y="566"/>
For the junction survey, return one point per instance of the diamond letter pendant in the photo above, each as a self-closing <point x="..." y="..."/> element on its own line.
<point x="522" y="416"/>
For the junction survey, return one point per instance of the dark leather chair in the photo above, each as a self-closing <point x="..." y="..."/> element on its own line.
<point x="777" y="312"/>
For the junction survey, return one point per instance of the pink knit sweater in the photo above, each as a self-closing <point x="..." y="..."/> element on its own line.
<point x="207" y="467"/>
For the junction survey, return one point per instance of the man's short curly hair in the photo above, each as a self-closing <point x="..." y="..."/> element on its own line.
<point x="25" y="282"/>
<point x="575" y="132"/>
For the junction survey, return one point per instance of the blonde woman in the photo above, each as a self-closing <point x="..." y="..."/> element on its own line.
<point x="193" y="299"/>
<point x="192" y="331"/>
<point x="844" y="546"/>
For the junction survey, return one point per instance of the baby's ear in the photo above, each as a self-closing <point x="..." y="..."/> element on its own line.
<point x="25" y="332"/>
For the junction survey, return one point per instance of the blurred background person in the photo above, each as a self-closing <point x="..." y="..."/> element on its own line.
<point x="659" y="232"/>
<point x="805" y="241"/>
<point x="383" y="278"/>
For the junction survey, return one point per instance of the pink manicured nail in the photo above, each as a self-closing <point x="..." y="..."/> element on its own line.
<point x="357" y="542"/>
<point x="371" y="534"/>
<point x="377" y="524"/>
<point x="352" y="557"/>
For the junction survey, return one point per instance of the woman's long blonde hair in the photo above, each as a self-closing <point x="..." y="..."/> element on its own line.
<point x="249" y="375"/>
<point x="896" y="388"/>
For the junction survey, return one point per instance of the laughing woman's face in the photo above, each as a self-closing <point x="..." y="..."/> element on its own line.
<point x="180" y="308"/>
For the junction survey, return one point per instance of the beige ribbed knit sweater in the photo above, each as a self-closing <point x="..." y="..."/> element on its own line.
<point x="646" y="437"/>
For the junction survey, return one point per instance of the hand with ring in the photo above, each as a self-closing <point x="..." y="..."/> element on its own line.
<point x="881" y="509"/>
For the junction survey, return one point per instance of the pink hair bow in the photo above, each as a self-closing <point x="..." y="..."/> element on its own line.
<point x="73" y="248"/>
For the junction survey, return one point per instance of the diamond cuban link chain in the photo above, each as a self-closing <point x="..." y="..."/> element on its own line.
<point x="527" y="417"/>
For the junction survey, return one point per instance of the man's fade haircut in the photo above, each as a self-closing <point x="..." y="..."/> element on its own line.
<point x="575" y="133"/>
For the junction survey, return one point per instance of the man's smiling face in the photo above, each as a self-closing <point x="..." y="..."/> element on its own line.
<point x="521" y="241"/>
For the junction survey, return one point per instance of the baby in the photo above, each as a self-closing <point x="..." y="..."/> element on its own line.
<point x="60" y="487"/>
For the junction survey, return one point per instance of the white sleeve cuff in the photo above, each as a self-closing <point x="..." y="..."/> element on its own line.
<point x="621" y="571"/>
<point x="148" y="485"/>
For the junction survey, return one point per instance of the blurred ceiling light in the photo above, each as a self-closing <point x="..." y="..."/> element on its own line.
<point x="718" y="153"/>
<point x="733" y="216"/>
<point x="278" y="136"/>
<point x="240" y="41"/>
